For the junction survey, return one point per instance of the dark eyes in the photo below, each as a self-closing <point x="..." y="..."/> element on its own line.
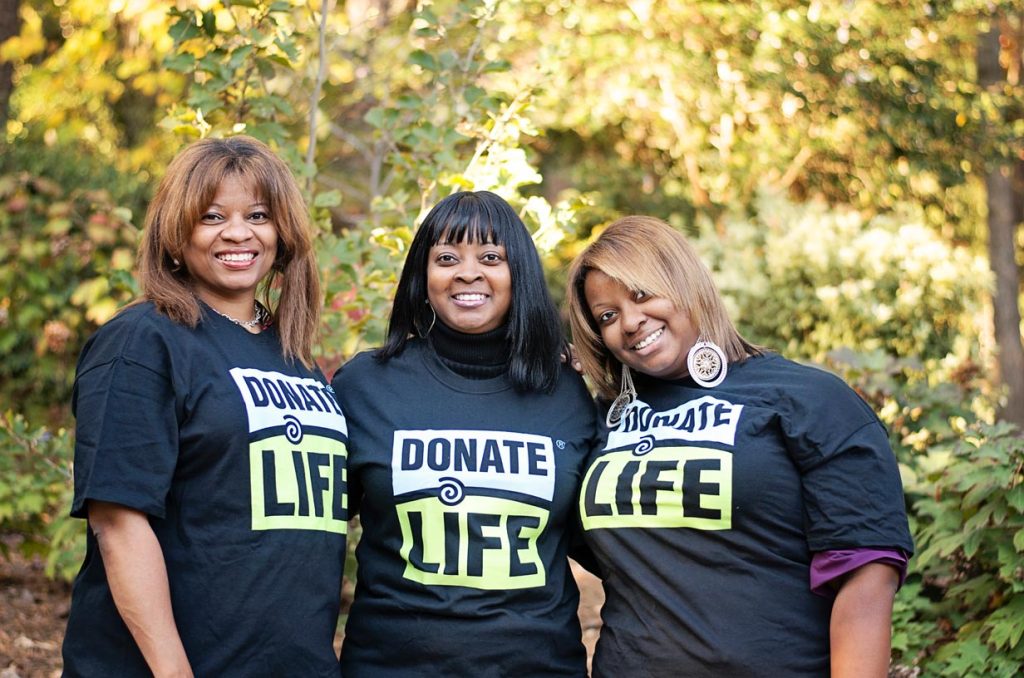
<point x="259" y="216"/>
<point x="640" y="295"/>
<point x="446" y="258"/>
<point x="606" y="317"/>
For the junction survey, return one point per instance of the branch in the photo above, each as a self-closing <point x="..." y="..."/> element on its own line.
<point x="700" y="196"/>
<point x="793" y="171"/>
<point x="314" y="99"/>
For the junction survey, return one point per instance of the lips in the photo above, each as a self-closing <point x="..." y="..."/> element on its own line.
<point x="236" y="259"/>
<point x="648" y="340"/>
<point x="469" y="299"/>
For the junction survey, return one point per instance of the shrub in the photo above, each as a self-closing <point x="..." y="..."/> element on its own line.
<point x="35" y="493"/>
<point x="65" y="257"/>
<point x="808" y="279"/>
<point x="962" y="612"/>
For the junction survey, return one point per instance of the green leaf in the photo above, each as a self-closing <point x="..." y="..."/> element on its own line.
<point x="327" y="199"/>
<point x="473" y="94"/>
<point x="209" y="23"/>
<point x="239" y="56"/>
<point x="181" y="62"/>
<point x="408" y="101"/>
<point x="424" y="60"/>
<point x="1015" y="498"/>
<point x="1018" y="540"/>
<point x="289" y="48"/>
<point x="265" y="67"/>
<point x="1008" y="623"/>
<point x="184" y="28"/>
<point x="497" y="66"/>
<point x="448" y="59"/>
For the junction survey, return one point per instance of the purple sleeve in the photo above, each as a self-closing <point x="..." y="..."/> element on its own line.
<point x="827" y="566"/>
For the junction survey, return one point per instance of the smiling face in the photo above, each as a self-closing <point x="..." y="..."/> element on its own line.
<point x="469" y="285"/>
<point x="644" y="332"/>
<point x="231" y="249"/>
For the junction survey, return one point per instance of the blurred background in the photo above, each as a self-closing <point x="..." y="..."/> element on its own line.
<point x="852" y="171"/>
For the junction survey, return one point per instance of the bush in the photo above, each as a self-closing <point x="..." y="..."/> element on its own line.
<point x="35" y="493"/>
<point x="65" y="257"/>
<point x="962" y="611"/>
<point x="808" y="279"/>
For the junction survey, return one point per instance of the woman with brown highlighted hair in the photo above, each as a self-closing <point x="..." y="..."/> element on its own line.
<point x="210" y="453"/>
<point x="746" y="511"/>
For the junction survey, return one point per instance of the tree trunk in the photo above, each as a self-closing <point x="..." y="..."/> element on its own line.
<point x="10" y="25"/>
<point x="1002" y="225"/>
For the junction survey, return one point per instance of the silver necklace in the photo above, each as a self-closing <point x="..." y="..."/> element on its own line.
<point x="260" y="316"/>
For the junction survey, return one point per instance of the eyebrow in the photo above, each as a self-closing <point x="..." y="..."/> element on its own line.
<point x="250" y="206"/>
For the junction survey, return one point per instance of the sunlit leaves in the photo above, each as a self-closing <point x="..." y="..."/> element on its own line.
<point x="230" y="68"/>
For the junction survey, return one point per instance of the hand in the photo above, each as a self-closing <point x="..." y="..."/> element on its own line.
<point x="569" y="355"/>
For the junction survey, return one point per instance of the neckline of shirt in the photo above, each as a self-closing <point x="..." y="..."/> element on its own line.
<point x="437" y="367"/>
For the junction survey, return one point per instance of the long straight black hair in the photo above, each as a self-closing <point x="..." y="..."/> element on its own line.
<point x="534" y="328"/>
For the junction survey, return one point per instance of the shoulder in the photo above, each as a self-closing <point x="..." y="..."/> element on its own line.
<point x="138" y="333"/>
<point x="365" y="367"/>
<point x="803" y="390"/>
<point x="774" y="372"/>
<point x="571" y="385"/>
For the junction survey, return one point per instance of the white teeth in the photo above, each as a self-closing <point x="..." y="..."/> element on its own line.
<point x="470" y="297"/>
<point x="649" y="339"/>
<point x="240" y="256"/>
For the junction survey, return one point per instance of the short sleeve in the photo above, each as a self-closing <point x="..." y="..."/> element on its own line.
<point x="126" y="443"/>
<point x="340" y="383"/>
<point x="853" y="496"/>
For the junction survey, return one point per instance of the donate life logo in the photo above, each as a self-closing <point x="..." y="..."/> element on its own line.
<point x="471" y="506"/>
<point x="650" y="480"/>
<point x="297" y="466"/>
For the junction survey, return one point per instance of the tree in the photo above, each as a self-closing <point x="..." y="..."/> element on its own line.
<point x="1004" y="200"/>
<point x="10" y="25"/>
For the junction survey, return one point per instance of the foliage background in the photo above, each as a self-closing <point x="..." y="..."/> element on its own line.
<point x="829" y="159"/>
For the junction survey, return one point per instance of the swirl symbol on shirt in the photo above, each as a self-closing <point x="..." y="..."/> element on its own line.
<point x="451" y="491"/>
<point x="645" y="445"/>
<point x="292" y="429"/>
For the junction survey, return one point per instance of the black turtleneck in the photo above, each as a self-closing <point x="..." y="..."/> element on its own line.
<point x="474" y="356"/>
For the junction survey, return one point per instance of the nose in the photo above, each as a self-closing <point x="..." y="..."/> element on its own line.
<point x="236" y="229"/>
<point x="632" y="317"/>
<point x="468" y="270"/>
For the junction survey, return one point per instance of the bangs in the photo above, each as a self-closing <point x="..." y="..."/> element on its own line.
<point x="472" y="229"/>
<point x="206" y="181"/>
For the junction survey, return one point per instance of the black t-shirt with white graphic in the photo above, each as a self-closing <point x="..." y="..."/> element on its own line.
<point x="467" y="494"/>
<point x="704" y="506"/>
<point x="239" y="459"/>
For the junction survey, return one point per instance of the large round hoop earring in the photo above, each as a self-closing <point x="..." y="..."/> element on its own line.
<point x="706" y="363"/>
<point x="419" y="331"/>
<point x="627" y="394"/>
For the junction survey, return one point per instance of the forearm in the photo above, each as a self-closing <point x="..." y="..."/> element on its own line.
<point x="137" y="575"/>
<point x="861" y="624"/>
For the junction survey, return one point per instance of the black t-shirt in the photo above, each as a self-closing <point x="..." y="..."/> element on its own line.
<point x="467" y="492"/>
<point x="705" y="506"/>
<point x="239" y="459"/>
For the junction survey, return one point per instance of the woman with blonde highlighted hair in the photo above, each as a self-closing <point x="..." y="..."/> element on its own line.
<point x="746" y="511"/>
<point x="210" y="455"/>
<point x="642" y="253"/>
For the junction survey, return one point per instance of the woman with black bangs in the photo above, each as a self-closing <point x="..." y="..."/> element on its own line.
<point x="466" y="439"/>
